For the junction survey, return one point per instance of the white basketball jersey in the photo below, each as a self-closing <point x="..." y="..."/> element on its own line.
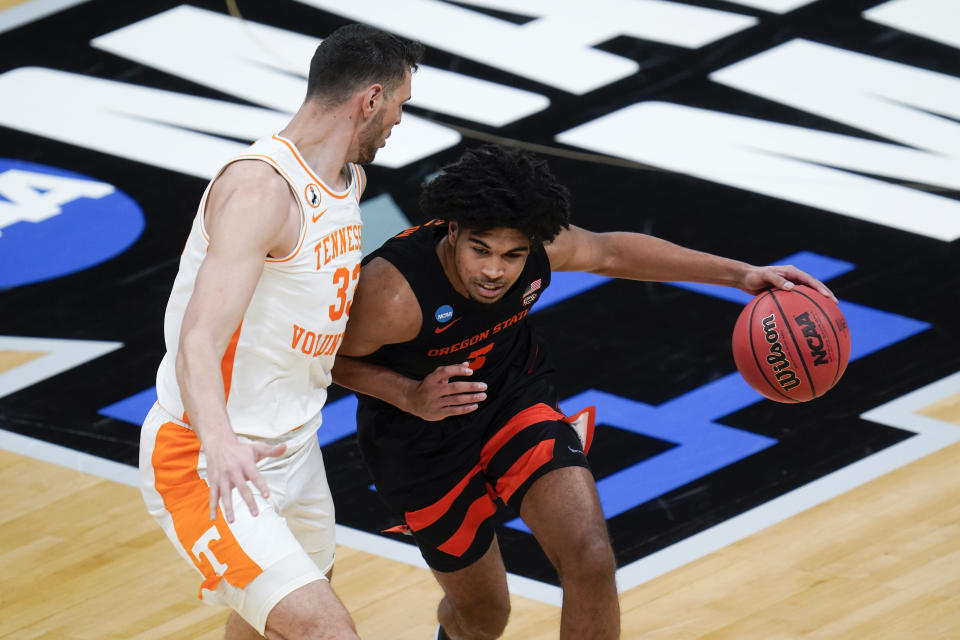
<point x="276" y="369"/>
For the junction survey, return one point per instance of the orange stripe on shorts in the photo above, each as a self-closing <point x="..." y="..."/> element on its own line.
<point x="523" y="468"/>
<point x="537" y="413"/>
<point x="423" y="518"/>
<point x="186" y="496"/>
<point x="481" y="509"/>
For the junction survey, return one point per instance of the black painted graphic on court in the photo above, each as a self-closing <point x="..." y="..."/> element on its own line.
<point x="92" y="228"/>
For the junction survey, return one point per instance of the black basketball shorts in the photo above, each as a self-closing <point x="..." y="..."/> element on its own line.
<point x="452" y="518"/>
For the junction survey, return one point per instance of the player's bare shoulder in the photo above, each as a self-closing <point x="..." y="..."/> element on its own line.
<point x="252" y="180"/>
<point x="384" y="311"/>
<point x="561" y="248"/>
<point x="576" y="249"/>
<point x="250" y="194"/>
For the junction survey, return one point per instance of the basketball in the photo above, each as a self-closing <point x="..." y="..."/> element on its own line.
<point x="791" y="346"/>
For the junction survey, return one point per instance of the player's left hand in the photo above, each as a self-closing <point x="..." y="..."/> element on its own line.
<point x="758" y="279"/>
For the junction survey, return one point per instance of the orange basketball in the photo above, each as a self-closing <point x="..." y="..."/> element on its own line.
<point x="791" y="346"/>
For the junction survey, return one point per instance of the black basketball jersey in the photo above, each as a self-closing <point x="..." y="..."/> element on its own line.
<point x="492" y="337"/>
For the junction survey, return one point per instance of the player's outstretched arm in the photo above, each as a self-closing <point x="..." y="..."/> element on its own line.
<point x="248" y="217"/>
<point x="637" y="256"/>
<point x="385" y="311"/>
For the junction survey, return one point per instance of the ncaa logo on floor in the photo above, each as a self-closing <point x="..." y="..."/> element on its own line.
<point x="55" y="222"/>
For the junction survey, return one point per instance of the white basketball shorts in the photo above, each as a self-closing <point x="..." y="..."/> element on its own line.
<point x="254" y="562"/>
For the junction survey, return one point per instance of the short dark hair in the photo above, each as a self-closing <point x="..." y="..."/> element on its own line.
<point x="358" y="55"/>
<point x="492" y="186"/>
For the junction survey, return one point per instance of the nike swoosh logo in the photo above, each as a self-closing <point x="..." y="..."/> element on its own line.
<point x="317" y="217"/>
<point x="448" y="325"/>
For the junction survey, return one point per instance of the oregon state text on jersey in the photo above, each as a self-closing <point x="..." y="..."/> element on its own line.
<point x="277" y="367"/>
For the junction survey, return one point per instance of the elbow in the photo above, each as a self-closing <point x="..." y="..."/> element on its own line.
<point x="342" y="368"/>
<point x="610" y="257"/>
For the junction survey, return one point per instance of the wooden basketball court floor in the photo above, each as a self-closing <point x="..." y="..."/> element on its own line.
<point x="878" y="558"/>
<point x="82" y="560"/>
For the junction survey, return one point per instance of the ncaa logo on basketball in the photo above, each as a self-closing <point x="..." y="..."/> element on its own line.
<point x="312" y="194"/>
<point x="814" y="342"/>
<point x="444" y="313"/>
<point x="55" y="222"/>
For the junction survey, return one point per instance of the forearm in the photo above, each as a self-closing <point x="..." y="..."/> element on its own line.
<point x="202" y="390"/>
<point x="637" y="256"/>
<point x="374" y="380"/>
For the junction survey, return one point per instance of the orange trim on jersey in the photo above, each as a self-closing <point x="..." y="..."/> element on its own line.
<point x="296" y="155"/>
<point x="356" y="172"/>
<point x="186" y="496"/>
<point x="481" y="509"/>
<point x="273" y="163"/>
<point x="290" y="181"/>
<point x="203" y="224"/>
<point x="303" y="236"/>
<point x="537" y="413"/>
<point x="226" y="365"/>
<point x="423" y="518"/>
<point x="521" y="470"/>
<point x="303" y="220"/>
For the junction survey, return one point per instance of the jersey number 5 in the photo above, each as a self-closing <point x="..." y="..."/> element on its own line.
<point x="477" y="358"/>
<point x="342" y="275"/>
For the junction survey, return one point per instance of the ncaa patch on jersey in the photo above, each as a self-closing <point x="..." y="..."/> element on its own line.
<point x="443" y="313"/>
<point x="55" y="222"/>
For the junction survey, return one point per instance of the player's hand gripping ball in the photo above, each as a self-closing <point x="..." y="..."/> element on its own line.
<point x="791" y="346"/>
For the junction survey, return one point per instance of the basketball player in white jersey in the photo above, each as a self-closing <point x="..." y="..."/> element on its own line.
<point x="230" y="464"/>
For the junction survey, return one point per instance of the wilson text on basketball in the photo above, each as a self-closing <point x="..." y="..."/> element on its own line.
<point x="777" y="359"/>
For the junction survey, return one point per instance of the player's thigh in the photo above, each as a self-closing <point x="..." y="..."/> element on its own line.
<point x="563" y="511"/>
<point x="564" y="494"/>
<point x="311" y="611"/>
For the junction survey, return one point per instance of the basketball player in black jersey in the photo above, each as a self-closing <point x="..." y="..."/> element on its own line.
<point x="456" y="410"/>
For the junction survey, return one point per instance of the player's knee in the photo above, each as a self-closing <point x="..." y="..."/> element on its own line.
<point x="311" y="612"/>
<point x="591" y="560"/>
<point x="486" y="621"/>
<point x="308" y="626"/>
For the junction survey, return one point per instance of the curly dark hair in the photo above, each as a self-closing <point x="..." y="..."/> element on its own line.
<point x="493" y="186"/>
<point x="357" y="55"/>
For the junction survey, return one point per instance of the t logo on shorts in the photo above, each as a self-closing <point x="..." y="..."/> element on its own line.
<point x="202" y="547"/>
